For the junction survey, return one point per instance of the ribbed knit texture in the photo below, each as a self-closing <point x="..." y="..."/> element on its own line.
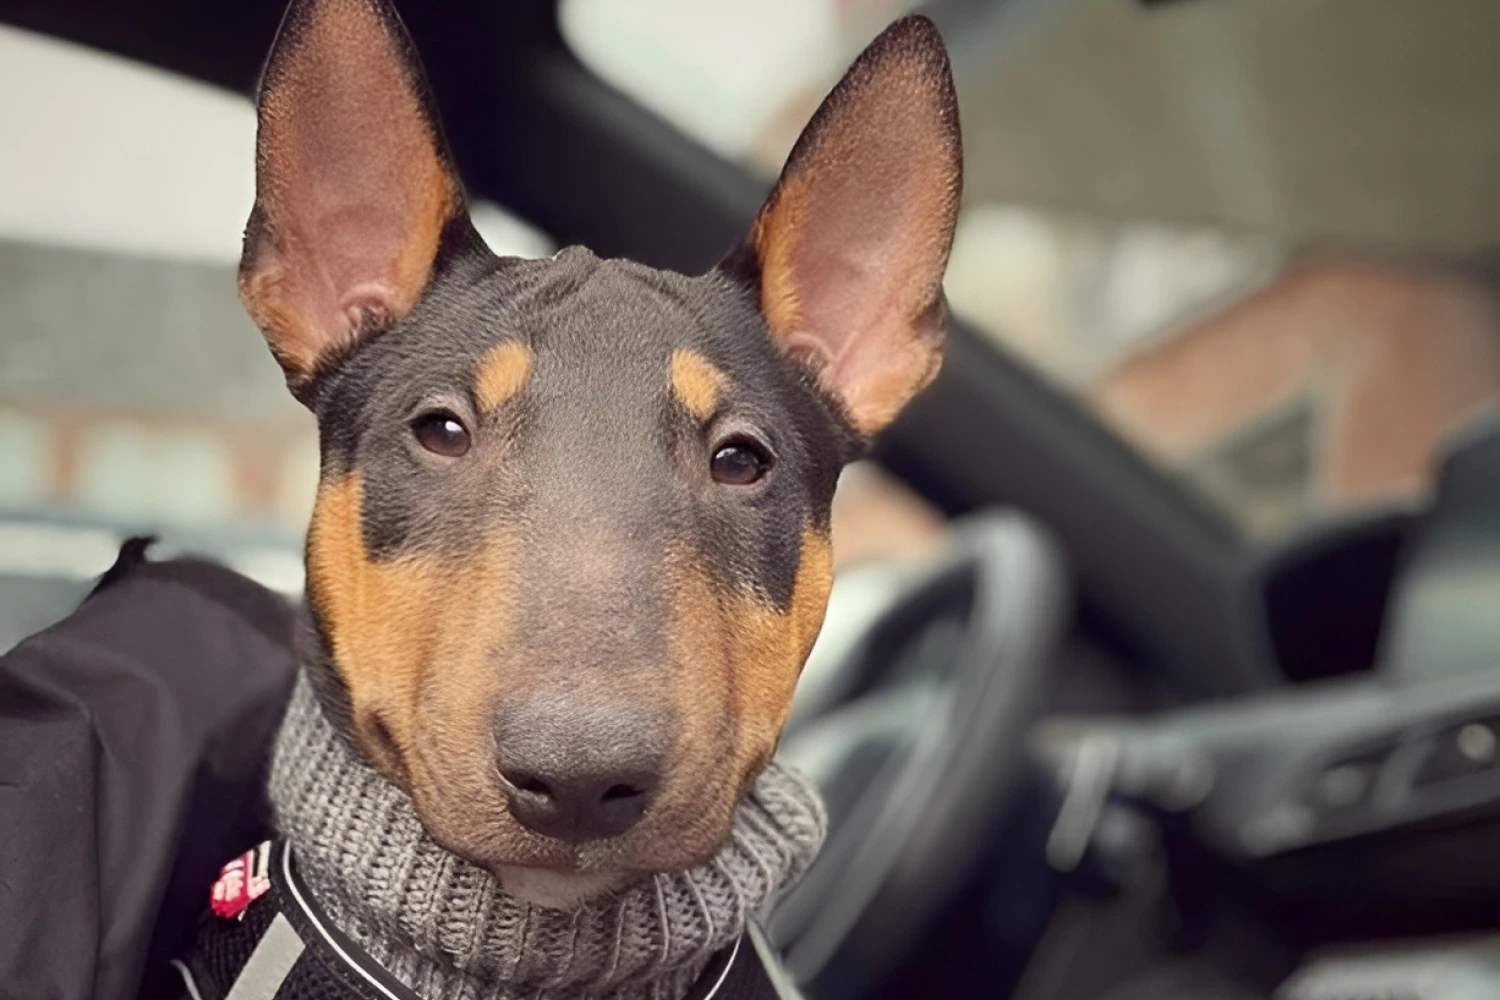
<point x="448" y="930"/>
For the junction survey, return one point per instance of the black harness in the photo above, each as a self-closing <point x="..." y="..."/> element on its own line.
<point x="266" y="938"/>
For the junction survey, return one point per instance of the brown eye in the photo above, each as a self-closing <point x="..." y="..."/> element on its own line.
<point x="441" y="433"/>
<point x="739" y="462"/>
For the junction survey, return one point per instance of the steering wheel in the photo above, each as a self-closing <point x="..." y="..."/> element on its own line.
<point x="912" y="718"/>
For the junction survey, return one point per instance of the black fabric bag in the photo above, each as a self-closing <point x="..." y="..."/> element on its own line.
<point x="133" y="742"/>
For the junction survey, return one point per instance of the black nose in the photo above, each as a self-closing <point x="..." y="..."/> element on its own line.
<point x="578" y="808"/>
<point x="580" y="775"/>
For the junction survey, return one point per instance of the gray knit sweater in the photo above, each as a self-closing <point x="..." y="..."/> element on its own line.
<point x="448" y="930"/>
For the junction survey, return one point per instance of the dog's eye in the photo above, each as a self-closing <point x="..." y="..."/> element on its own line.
<point x="740" y="462"/>
<point x="441" y="433"/>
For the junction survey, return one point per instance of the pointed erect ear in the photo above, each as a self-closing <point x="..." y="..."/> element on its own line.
<point x="354" y="190"/>
<point x="850" y="248"/>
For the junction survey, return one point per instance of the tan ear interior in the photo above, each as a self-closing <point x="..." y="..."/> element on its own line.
<point x="353" y="184"/>
<point x="854" y="239"/>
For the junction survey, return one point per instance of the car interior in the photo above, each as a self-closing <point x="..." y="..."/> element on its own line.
<point x="1125" y="727"/>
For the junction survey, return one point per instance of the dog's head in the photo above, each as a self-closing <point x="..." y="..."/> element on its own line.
<point x="570" y="547"/>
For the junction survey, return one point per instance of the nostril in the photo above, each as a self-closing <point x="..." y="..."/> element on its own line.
<point x="577" y="807"/>
<point x="529" y="783"/>
<point x="614" y="792"/>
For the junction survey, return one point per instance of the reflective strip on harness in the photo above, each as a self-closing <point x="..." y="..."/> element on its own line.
<point x="270" y="963"/>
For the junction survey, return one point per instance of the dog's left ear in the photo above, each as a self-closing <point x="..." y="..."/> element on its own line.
<point x="850" y="248"/>
<point x="355" y="195"/>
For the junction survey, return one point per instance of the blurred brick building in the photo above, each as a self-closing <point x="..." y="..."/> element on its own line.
<point x="1330" y="387"/>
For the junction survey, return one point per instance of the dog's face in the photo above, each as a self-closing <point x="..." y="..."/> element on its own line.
<point x="570" y="548"/>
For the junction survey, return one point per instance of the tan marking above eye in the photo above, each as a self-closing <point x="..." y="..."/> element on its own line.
<point x="696" y="382"/>
<point x="501" y="373"/>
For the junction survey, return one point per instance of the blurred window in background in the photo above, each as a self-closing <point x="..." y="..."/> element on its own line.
<point x="1252" y="236"/>
<point x="135" y="394"/>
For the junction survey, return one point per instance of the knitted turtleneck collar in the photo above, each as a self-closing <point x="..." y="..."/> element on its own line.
<point x="447" y="929"/>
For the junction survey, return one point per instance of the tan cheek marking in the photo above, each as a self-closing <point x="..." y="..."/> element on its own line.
<point x="473" y="665"/>
<point x="696" y="382"/>
<point x="501" y="373"/>
<point x="703" y="694"/>
<point x="390" y="623"/>
<point x="762" y="647"/>
<point x="376" y="615"/>
<point x="771" y="646"/>
<point x="701" y="648"/>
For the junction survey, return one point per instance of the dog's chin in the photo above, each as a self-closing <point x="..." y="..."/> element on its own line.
<point x="557" y="890"/>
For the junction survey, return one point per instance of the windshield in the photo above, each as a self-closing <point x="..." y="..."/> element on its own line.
<point x="1251" y="236"/>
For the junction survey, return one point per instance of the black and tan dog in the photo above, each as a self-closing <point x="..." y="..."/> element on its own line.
<point x="570" y="547"/>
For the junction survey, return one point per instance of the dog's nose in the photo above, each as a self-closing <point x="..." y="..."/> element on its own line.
<point x="580" y="779"/>
<point x="578" y="808"/>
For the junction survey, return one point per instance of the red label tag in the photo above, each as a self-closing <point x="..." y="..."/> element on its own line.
<point x="242" y="882"/>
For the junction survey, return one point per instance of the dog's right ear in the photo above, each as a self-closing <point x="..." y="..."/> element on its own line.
<point x="355" y="193"/>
